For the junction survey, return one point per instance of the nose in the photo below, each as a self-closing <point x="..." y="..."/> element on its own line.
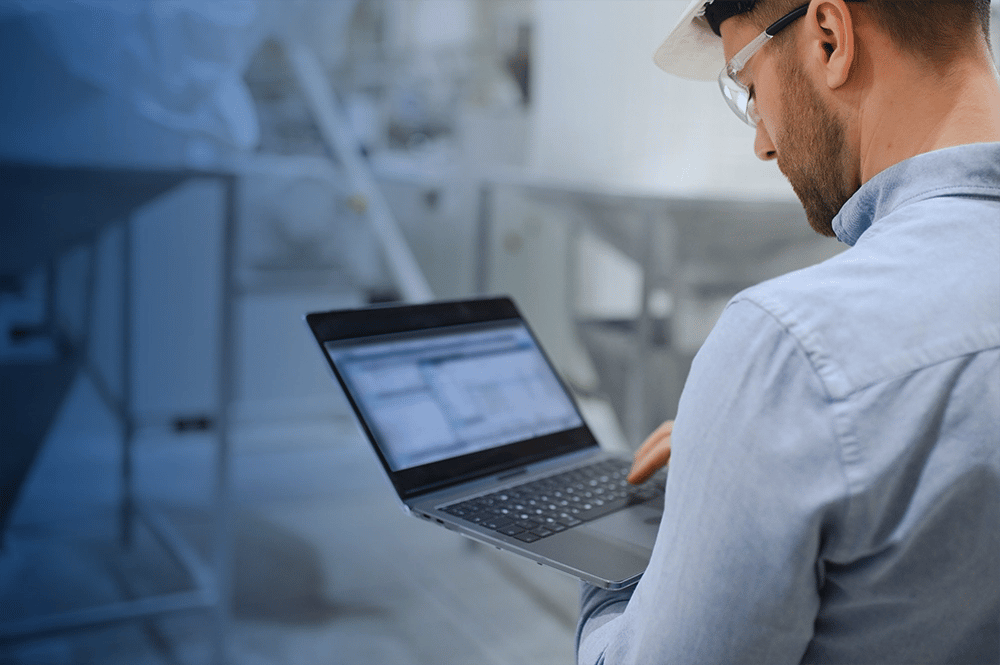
<point x="763" y="146"/>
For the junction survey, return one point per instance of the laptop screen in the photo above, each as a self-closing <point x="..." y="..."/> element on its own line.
<point x="450" y="390"/>
<point x="437" y="396"/>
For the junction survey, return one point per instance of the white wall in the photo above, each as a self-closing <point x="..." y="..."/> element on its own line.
<point x="606" y="114"/>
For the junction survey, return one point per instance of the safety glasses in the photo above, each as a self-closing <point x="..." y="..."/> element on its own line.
<point x="738" y="95"/>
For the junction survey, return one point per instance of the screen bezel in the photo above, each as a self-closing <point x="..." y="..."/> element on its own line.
<point x="348" y="325"/>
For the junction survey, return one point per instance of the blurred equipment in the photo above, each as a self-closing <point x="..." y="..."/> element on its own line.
<point x="110" y="106"/>
<point x="127" y="82"/>
<point x="48" y="211"/>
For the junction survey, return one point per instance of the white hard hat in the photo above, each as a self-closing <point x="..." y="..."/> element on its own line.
<point x="692" y="50"/>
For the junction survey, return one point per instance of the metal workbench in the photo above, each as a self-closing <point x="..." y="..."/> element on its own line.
<point x="49" y="210"/>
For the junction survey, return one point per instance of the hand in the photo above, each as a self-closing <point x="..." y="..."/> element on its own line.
<point x="653" y="454"/>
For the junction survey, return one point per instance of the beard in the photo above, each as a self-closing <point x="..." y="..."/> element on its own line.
<point x="812" y="153"/>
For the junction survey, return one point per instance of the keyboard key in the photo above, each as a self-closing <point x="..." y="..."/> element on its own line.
<point x="541" y="508"/>
<point x="496" y="523"/>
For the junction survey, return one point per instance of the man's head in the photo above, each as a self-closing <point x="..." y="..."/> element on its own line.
<point x="819" y="80"/>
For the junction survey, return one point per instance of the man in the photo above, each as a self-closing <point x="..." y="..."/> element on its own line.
<point x="834" y="485"/>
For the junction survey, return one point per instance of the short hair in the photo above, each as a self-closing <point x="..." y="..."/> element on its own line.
<point x="935" y="30"/>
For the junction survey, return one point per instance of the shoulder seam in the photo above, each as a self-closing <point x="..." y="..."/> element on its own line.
<point x="824" y="375"/>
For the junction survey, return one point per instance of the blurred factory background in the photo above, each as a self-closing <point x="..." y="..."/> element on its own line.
<point x="180" y="480"/>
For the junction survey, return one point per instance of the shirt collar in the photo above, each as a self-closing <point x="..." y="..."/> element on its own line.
<point x="962" y="170"/>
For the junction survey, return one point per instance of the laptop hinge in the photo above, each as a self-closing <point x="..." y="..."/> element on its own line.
<point x="512" y="474"/>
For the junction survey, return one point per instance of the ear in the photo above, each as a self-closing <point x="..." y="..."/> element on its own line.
<point x="831" y="40"/>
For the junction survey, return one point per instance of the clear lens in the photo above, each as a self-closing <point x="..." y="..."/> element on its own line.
<point x="738" y="97"/>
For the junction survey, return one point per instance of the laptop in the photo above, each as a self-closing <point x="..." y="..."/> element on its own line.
<point x="477" y="433"/>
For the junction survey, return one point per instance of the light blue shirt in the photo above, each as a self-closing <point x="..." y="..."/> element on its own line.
<point x="834" y="490"/>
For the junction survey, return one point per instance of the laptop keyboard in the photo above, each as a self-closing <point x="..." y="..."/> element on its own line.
<point x="547" y="506"/>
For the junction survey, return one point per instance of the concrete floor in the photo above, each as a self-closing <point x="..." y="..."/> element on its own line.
<point x="326" y="566"/>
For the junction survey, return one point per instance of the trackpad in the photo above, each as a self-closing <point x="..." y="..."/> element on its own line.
<point x="636" y="526"/>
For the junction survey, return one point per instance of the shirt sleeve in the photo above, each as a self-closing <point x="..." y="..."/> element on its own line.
<point x="754" y="492"/>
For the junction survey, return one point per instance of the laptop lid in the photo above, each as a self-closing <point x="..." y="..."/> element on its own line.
<point x="451" y="391"/>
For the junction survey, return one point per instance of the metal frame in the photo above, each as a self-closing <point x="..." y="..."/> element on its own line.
<point x="210" y="581"/>
<point x="337" y="136"/>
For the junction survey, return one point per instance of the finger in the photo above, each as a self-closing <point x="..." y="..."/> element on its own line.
<point x="653" y="454"/>
<point x="645" y="467"/>
<point x="653" y="440"/>
<point x="659" y="437"/>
